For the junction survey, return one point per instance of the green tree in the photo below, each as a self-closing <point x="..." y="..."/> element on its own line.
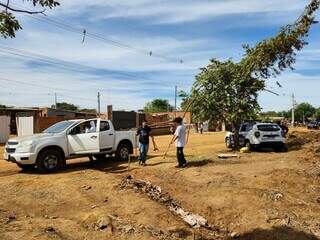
<point x="2" y="106"/>
<point x="185" y="99"/>
<point x="221" y="92"/>
<point x="225" y="90"/>
<point x="317" y="114"/>
<point x="8" y="22"/>
<point x="158" y="105"/>
<point x="305" y="110"/>
<point x="88" y="110"/>
<point x="67" y="106"/>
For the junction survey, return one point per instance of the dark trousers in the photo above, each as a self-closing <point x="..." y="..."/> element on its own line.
<point x="180" y="156"/>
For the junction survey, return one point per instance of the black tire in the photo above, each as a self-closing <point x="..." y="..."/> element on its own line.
<point x="248" y="145"/>
<point x="49" y="161"/>
<point x="123" y="152"/>
<point x="284" y="148"/>
<point x="228" y="143"/>
<point x="27" y="168"/>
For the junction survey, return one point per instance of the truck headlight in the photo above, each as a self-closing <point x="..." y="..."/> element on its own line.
<point x="25" y="147"/>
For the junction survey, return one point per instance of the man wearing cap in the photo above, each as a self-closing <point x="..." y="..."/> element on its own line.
<point x="180" y="139"/>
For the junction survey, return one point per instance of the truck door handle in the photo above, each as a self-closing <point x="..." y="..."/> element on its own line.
<point x="93" y="137"/>
<point x="110" y="134"/>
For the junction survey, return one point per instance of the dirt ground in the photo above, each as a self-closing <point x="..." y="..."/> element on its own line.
<point x="261" y="195"/>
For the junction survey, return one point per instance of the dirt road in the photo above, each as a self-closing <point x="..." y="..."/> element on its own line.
<point x="261" y="195"/>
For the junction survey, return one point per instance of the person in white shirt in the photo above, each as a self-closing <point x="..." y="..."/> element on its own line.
<point x="180" y="139"/>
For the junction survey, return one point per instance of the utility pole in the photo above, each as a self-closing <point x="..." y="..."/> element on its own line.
<point x="99" y="104"/>
<point x="55" y="100"/>
<point x="175" y="97"/>
<point x="293" y="107"/>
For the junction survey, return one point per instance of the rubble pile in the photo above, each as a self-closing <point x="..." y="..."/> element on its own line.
<point x="157" y="194"/>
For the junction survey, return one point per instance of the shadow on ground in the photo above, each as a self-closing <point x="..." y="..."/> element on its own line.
<point x="204" y="162"/>
<point x="275" y="233"/>
<point x="109" y="165"/>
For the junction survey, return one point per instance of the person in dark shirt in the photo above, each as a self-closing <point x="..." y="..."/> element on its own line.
<point x="144" y="134"/>
<point x="283" y="127"/>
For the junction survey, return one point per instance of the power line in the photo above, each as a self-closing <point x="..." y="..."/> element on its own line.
<point x="83" y="32"/>
<point x="67" y="65"/>
<point x="42" y="86"/>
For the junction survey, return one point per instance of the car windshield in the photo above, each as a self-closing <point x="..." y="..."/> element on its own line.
<point x="59" y="127"/>
<point x="268" y="128"/>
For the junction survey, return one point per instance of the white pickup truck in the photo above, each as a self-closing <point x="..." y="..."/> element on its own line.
<point x="48" y="151"/>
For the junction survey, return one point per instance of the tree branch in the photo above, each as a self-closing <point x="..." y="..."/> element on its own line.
<point x="22" y="11"/>
<point x="7" y="6"/>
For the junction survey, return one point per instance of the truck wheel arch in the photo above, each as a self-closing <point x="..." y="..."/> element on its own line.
<point x="50" y="148"/>
<point x="128" y="143"/>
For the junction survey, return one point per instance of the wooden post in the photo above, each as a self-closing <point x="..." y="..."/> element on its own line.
<point x="109" y="112"/>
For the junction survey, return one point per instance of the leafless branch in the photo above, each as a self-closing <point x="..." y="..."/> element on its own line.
<point x="21" y="10"/>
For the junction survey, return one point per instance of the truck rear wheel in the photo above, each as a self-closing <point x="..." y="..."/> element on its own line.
<point x="228" y="142"/>
<point x="248" y="145"/>
<point x="49" y="161"/>
<point x="123" y="152"/>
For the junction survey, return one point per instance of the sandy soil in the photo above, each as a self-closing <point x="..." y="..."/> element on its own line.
<point x="261" y="195"/>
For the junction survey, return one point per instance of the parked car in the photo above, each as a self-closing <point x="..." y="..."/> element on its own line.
<point x="313" y="125"/>
<point x="49" y="150"/>
<point x="254" y="135"/>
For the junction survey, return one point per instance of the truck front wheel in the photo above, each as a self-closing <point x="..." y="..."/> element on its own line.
<point x="123" y="152"/>
<point x="49" y="161"/>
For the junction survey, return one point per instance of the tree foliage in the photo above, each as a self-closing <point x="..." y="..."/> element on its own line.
<point x="221" y="92"/>
<point x="9" y="25"/>
<point x="304" y="110"/>
<point x="158" y="105"/>
<point x="67" y="106"/>
<point x="226" y="90"/>
<point x="185" y="99"/>
<point x="271" y="56"/>
<point x="88" y="110"/>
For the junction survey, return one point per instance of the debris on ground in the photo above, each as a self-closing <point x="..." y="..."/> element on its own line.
<point x="85" y="187"/>
<point x="98" y="223"/>
<point x="245" y="150"/>
<point x="157" y="194"/>
<point x="11" y="217"/>
<point x="297" y="139"/>
<point x="228" y="155"/>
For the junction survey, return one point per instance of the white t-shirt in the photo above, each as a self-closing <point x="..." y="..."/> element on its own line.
<point x="181" y="134"/>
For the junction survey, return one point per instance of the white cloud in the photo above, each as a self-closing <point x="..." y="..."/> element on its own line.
<point x="162" y="75"/>
<point x="174" y="11"/>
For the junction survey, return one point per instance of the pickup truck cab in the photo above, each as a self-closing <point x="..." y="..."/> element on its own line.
<point x="49" y="150"/>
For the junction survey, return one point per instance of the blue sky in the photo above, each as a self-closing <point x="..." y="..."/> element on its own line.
<point x="194" y="31"/>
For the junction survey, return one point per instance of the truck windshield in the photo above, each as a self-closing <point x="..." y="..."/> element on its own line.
<point x="59" y="127"/>
<point x="268" y="128"/>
